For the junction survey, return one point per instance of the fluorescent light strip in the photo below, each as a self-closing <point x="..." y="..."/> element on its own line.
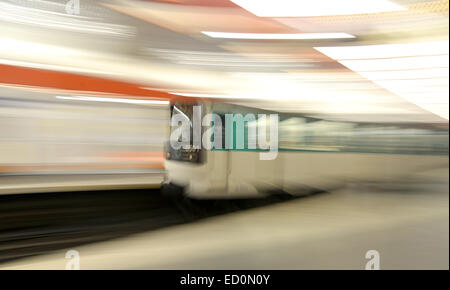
<point x="403" y="63"/>
<point x="386" y="50"/>
<point x="406" y="74"/>
<point x="411" y="84"/>
<point x="307" y="8"/>
<point x="275" y="36"/>
<point x="114" y="100"/>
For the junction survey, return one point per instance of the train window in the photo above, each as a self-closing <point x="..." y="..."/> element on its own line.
<point x="298" y="133"/>
<point x="187" y="152"/>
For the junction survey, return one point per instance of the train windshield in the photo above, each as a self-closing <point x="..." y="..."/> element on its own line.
<point x="184" y="109"/>
<point x="185" y="114"/>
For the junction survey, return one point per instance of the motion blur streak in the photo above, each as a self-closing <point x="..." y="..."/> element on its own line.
<point x="47" y="135"/>
<point x="114" y="100"/>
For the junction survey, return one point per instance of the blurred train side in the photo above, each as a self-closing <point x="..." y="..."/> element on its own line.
<point x="51" y="141"/>
<point x="313" y="155"/>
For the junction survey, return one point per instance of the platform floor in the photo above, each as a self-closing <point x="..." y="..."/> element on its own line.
<point x="407" y="225"/>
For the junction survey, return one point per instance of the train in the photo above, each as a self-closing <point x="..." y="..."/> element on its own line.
<point x="313" y="154"/>
<point x="53" y="141"/>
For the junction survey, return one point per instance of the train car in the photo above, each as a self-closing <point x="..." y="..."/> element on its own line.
<point x="54" y="140"/>
<point x="313" y="154"/>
